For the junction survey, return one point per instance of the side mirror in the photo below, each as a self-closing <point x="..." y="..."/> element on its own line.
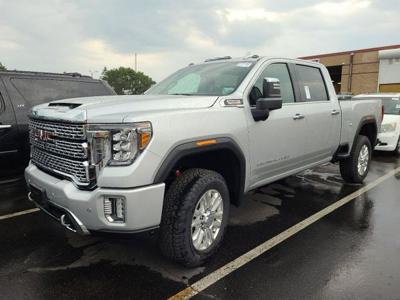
<point x="271" y="88"/>
<point x="268" y="104"/>
<point x="271" y="99"/>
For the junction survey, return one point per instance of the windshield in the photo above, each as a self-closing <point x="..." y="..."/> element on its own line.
<point x="391" y="106"/>
<point x="213" y="79"/>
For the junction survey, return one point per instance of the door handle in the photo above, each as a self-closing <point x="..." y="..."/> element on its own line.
<point x="5" y="126"/>
<point x="298" y="117"/>
<point x="335" y="112"/>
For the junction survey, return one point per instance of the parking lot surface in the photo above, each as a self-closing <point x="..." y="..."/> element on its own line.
<point x="351" y="253"/>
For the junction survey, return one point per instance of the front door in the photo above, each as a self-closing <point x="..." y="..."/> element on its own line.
<point x="276" y="145"/>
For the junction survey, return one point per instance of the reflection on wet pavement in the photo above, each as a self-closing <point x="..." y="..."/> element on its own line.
<point x="42" y="255"/>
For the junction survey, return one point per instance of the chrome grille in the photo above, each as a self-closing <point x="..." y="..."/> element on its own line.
<point x="61" y="147"/>
<point x="76" y="170"/>
<point x="62" y="130"/>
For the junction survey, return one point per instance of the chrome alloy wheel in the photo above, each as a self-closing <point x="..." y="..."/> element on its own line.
<point x="363" y="160"/>
<point x="207" y="219"/>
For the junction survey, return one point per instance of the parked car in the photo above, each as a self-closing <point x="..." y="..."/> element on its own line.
<point x="389" y="136"/>
<point x="178" y="156"/>
<point x="20" y="90"/>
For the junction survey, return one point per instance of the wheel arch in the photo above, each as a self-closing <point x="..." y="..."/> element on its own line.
<point x="223" y="156"/>
<point x="367" y="127"/>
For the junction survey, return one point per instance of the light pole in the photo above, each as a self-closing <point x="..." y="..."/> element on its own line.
<point x="135" y="62"/>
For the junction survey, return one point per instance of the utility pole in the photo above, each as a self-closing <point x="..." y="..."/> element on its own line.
<point x="135" y="62"/>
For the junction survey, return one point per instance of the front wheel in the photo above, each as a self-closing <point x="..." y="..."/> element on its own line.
<point x="195" y="216"/>
<point x="355" y="168"/>
<point x="397" y="150"/>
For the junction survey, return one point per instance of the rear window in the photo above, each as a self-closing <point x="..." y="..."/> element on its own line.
<point x="312" y="84"/>
<point x="37" y="91"/>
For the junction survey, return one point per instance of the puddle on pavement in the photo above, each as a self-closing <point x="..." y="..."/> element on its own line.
<point x="125" y="252"/>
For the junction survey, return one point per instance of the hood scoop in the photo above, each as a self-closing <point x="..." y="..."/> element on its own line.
<point x="66" y="105"/>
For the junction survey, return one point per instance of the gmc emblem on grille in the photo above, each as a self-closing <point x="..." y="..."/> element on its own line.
<point x="42" y="135"/>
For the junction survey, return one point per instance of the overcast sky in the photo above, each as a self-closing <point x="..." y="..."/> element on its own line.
<point x="87" y="35"/>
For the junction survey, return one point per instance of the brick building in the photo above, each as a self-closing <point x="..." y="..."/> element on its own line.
<point x="363" y="71"/>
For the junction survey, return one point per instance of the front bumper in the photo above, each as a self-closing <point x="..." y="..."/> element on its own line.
<point x="84" y="210"/>
<point x="387" y="141"/>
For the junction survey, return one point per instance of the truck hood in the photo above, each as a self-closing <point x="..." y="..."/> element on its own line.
<point x="114" y="109"/>
<point x="390" y="119"/>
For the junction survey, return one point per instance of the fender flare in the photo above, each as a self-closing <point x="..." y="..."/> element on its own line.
<point x="191" y="148"/>
<point x="339" y="155"/>
<point x="364" y="121"/>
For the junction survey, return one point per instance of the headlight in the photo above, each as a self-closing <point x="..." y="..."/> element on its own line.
<point x="388" y="127"/>
<point x="118" y="144"/>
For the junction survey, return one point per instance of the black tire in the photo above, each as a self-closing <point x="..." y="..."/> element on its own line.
<point x="348" y="166"/>
<point x="397" y="150"/>
<point x="179" y="205"/>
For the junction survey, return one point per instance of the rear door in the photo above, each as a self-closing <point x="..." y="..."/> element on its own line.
<point x="323" y="115"/>
<point x="8" y="126"/>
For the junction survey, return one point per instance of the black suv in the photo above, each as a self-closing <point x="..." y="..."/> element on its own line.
<point x="20" y="90"/>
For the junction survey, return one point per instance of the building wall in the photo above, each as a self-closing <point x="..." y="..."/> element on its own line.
<point x="389" y="70"/>
<point x="365" y="71"/>
<point x="372" y="69"/>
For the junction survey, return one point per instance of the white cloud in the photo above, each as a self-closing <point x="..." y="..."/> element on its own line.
<point x="232" y="14"/>
<point x="84" y="36"/>
<point x="344" y="8"/>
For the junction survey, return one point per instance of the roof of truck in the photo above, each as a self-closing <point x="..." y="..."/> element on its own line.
<point x="251" y="58"/>
<point x="34" y="73"/>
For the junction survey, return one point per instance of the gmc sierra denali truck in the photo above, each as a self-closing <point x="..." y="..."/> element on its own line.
<point x="179" y="155"/>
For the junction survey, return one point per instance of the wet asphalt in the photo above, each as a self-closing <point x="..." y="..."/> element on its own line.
<point x="354" y="253"/>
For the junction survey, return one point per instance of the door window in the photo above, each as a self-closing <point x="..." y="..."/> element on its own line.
<point x="312" y="84"/>
<point x="279" y="71"/>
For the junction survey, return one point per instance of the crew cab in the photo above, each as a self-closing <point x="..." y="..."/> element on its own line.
<point x="389" y="136"/>
<point x="176" y="157"/>
<point x="20" y="90"/>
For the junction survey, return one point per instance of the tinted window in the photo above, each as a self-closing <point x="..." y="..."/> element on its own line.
<point x="37" y="91"/>
<point x="312" y="85"/>
<point x="279" y="71"/>
<point x="2" y="105"/>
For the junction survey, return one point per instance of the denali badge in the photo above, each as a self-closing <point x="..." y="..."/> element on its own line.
<point x="42" y="135"/>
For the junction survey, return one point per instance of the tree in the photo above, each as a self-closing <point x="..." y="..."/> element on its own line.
<point x="2" y="67"/>
<point x="127" y="81"/>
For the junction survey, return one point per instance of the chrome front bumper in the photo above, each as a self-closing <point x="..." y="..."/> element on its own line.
<point x="83" y="211"/>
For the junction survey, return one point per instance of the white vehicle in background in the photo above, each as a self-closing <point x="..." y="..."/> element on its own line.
<point x="389" y="136"/>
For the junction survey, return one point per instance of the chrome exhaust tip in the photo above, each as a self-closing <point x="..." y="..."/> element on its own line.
<point x="64" y="222"/>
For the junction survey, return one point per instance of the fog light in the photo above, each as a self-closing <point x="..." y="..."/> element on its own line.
<point x="114" y="209"/>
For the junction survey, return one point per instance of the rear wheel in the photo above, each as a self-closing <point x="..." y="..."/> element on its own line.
<point x="355" y="168"/>
<point x="195" y="216"/>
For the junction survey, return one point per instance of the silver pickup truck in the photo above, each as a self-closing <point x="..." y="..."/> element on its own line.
<point x="176" y="157"/>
